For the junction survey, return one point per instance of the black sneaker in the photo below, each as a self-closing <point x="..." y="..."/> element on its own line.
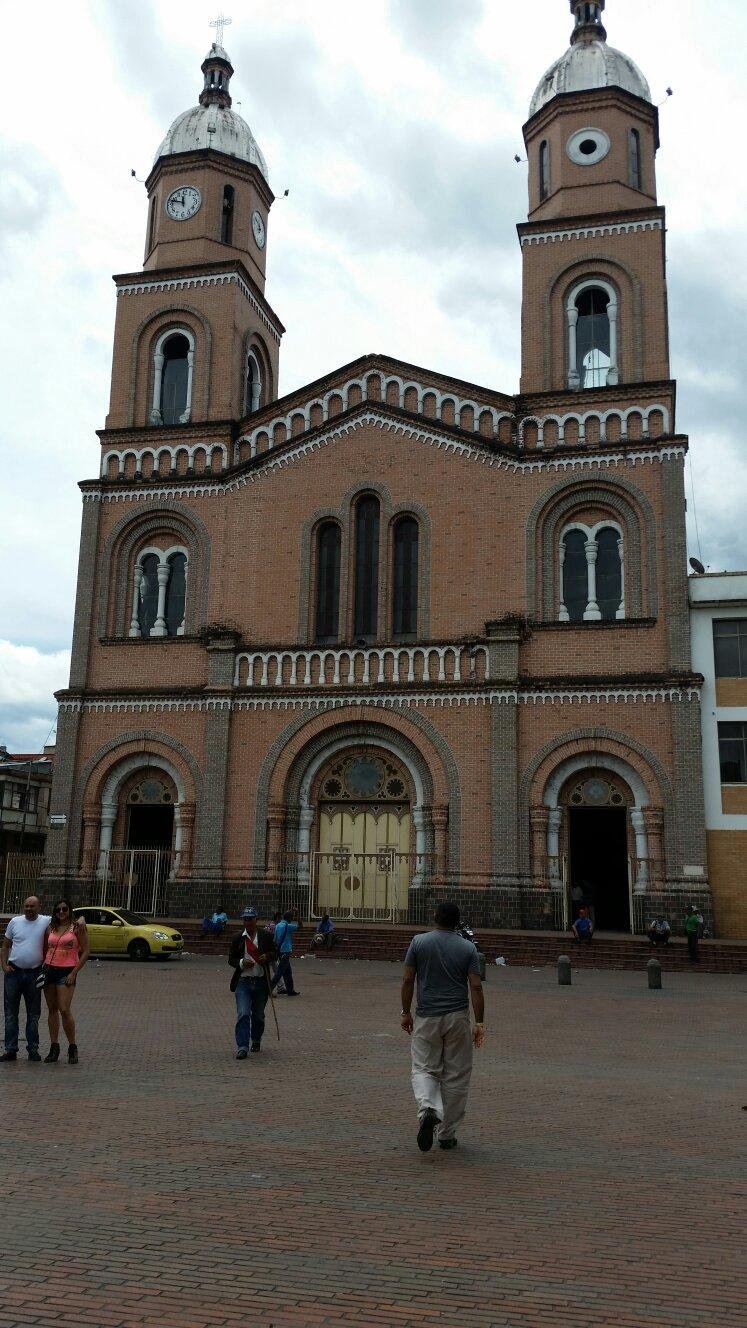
<point x="34" y="1055"/>
<point x="242" y="1054"/>
<point x="255" y="1047"/>
<point x="53" y="1055"/>
<point x="447" y="1143"/>
<point x="428" y="1123"/>
<point x="72" y="1054"/>
<point x="9" y="1056"/>
<point x="293" y="993"/>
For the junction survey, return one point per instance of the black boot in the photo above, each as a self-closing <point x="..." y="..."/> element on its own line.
<point x="53" y="1054"/>
<point x="72" y="1054"/>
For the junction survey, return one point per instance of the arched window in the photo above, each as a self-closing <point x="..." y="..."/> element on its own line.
<point x="174" y="379"/>
<point x="634" y="160"/>
<point x="148" y="595"/>
<point x="609" y="573"/>
<point x="366" y="611"/>
<point x="574" y="576"/>
<point x="544" y="169"/>
<point x="328" y="583"/>
<point x="592" y="335"/>
<point x="252" y="384"/>
<point x="591" y="574"/>
<point x="176" y="590"/>
<point x="226" y="217"/>
<point x="405" y="578"/>
<point x="159" y="593"/>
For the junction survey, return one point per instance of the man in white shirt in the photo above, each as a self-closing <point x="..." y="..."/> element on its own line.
<point x="21" y="956"/>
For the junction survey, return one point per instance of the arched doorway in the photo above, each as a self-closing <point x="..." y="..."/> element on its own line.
<point x="596" y="806"/>
<point x="597" y="838"/>
<point x="140" y="833"/>
<point x="363" y="864"/>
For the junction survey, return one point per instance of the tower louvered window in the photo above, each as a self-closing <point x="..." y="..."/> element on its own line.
<point x="366" y="614"/>
<point x="328" y="584"/>
<point x="405" y="578"/>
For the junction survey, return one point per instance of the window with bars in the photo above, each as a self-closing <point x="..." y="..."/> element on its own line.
<point x="730" y="647"/>
<point x="405" y="578"/>
<point x="593" y="337"/>
<point x="174" y="379"/>
<point x="732" y="752"/>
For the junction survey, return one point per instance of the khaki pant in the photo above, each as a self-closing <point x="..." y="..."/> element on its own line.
<point x="441" y="1048"/>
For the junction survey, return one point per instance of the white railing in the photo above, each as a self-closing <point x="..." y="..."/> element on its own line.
<point x="362" y="666"/>
<point x="133" y="878"/>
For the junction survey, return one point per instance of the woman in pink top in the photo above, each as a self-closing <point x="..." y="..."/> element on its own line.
<point x="65" y="953"/>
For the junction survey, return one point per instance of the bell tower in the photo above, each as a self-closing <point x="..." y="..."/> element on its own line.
<point x="595" y="308"/>
<point x="195" y="339"/>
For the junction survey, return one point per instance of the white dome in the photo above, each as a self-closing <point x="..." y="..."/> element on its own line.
<point x="587" y="65"/>
<point x="213" y="127"/>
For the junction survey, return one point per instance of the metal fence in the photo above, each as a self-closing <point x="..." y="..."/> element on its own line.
<point x="20" y="879"/>
<point x="354" y="887"/>
<point x="133" y="878"/>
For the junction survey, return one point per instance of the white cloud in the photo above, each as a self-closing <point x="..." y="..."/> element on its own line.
<point x="395" y="125"/>
<point x="28" y="679"/>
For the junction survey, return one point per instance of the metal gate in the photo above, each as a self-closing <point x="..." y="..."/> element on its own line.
<point x="366" y="887"/>
<point x="134" y="878"/>
<point x="20" y="879"/>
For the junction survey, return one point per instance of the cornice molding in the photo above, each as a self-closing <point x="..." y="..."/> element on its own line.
<point x="269" y="462"/>
<point x="383" y="700"/>
<point x="144" y="284"/>
<point x="591" y="231"/>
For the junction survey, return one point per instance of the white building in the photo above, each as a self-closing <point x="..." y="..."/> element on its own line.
<point x="718" y="620"/>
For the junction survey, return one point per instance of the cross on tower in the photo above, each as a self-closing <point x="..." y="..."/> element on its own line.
<point x="219" y="24"/>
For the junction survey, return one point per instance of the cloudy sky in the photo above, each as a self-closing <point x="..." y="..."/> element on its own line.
<point x="394" y="124"/>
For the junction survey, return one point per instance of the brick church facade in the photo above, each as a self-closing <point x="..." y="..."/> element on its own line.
<point x="394" y="633"/>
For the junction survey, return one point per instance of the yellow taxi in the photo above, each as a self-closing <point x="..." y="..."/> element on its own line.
<point x="113" y="931"/>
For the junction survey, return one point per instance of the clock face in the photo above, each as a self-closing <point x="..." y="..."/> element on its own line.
<point x="182" y="203"/>
<point x="258" y="229"/>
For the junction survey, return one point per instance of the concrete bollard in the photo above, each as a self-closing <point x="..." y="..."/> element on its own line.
<point x="653" y="968"/>
<point x="564" y="971"/>
<point x="482" y="962"/>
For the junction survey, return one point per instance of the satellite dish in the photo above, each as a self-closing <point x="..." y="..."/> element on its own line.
<point x="697" y="566"/>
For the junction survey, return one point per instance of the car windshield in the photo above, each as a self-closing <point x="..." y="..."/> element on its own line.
<point x="134" y="919"/>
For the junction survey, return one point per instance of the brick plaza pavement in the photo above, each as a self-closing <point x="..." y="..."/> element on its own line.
<point x="160" y="1182"/>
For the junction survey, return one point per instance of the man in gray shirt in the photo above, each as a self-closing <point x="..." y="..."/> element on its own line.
<point x="447" y="972"/>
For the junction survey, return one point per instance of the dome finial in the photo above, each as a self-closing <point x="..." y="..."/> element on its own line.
<point x="217" y="68"/>
<point x="588" y="15"/>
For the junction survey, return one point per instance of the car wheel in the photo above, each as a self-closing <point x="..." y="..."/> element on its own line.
<point x="138" y="950"/>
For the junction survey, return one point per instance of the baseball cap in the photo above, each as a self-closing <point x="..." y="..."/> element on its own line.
<point x="250" y="913"/>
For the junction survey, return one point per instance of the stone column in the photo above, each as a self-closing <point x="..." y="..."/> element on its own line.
<point x="653" y="819"/>
<point x="211" y="811"/>
<point x="155" y="411"/>
<point x="159" y="627"/>
<point x="276" y="816"/>
<point x="592" y="613"/>
<point x="613" y="371"/>
<point x="135" y="616"/>
<point x="573" y="374"/>
<point x="621" y="550"/>
<point x="641" y="874"/>
<point x="440" y="818"/>
<point x="554" y="822"/>
<point x="538" y="820"/>
<point x="184" y="417"/>
<point x="187" y="812"/>
<point x="563" y="614"/>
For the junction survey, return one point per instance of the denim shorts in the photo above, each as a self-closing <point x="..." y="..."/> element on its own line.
<point x="56" y="977"/>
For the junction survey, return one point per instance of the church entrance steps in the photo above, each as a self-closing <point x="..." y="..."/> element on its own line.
<point x="531" y="948"/>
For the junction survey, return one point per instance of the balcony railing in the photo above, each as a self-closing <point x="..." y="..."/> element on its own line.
<point x="363" y="666"/>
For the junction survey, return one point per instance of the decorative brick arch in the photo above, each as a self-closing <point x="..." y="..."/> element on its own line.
<point x="141" y="362"/>
<point x="98" y="769"/>
<point x="413" y="736"/>
<point x="551" y="510"/>
<point x="591" y="743"/>
<point x="115" y="590"/>
<point x="591" y="265"/>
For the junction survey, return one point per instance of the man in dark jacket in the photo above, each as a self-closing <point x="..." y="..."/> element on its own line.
<point x="249" y="957"/>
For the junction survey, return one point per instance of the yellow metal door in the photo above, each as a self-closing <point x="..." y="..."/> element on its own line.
<point x="363" y="867"/>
